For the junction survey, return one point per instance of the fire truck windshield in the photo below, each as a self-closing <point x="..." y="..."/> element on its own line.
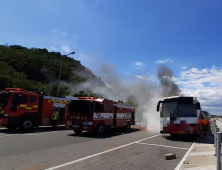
<point x="178" y="110"/>
<point x="81" y="107"/>
<point x="4" y="97"/>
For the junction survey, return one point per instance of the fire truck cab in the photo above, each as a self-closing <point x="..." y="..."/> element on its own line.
<point x="88" y="113"/>
<point x="26" y="110"/>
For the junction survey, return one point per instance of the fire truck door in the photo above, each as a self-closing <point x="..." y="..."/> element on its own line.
<point x="62" y="106"/>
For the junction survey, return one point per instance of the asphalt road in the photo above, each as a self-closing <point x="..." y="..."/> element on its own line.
<point x="116" y="149"/>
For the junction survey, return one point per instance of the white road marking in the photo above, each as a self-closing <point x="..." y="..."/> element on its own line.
<point x="8" y="135"/>
<point x="100" y="153"/>
<point x="162" y="145"/>
<point x="184" y="158"/>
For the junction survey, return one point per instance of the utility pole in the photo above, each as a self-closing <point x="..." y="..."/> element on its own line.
<point x="60" y="72"/>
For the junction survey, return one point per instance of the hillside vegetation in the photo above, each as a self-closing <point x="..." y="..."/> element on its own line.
<point x="38" y="70"/>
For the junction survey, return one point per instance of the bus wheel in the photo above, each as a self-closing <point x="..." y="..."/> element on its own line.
<point x="77" y="131"/>
<point x="26" y="124"/>
<point x="101" y="128"/>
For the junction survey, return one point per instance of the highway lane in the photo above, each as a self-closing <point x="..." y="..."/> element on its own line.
<point x="44" y="149"/>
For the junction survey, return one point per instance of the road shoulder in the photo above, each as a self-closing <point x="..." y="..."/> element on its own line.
<point x="201" y="155"/>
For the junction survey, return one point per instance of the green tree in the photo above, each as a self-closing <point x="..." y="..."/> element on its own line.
<point x="38" y="69"/>
<point x="131" y="100"/>
<point x="88" y="93"/>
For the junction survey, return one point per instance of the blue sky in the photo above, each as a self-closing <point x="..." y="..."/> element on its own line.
<point x="134" y="36"/>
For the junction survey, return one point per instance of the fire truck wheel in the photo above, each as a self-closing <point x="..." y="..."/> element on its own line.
<point x="101" y="128"/>
<point x="77" y="131"/>
<point x="26" y="124"/>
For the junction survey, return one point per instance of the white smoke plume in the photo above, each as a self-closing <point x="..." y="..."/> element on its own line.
<point x="117" y="88"/>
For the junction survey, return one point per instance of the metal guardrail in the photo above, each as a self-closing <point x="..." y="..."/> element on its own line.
<point x="217" y="142"/>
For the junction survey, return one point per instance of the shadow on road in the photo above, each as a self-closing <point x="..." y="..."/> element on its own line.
<point x="108" y="133"/>
<point x="206" y="138"/>
<point x="36" y="130"/>
<point x="182" y="138"/>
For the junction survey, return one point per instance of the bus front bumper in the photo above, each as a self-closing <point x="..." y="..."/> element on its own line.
<point x="180" y="129"/>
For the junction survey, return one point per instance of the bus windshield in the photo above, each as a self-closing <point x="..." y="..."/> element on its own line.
<point x="4" y="97"/>
<point x="178" y="110"/>
<point x="169" y="107"/>
<point x="187" y="109"/>
<point x="81" y="107"/>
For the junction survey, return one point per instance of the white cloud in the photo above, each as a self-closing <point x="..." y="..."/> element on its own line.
<point x="138" y="63"/>
<point x="165" y="60"/>
<point x="62" y="41"/>
<point x="127" y="73"/>
<point x="75" y="36"/>
<point x="65" y="48"/>
<point x="84" y="57"/>
<point x="153" y="78"/>
<point x="63" y="34"/>
<point x="198" y="78"/>
<point x="53" y="48"/>
<point x="184" y="68"/>
<point x="206" y="84"/>
<point x="142" y="77"/>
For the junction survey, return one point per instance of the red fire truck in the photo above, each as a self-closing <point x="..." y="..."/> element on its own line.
<point x="88" y="114"/>
<point x="26" y="110"/>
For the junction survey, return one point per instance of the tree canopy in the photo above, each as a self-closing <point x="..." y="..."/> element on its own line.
<point x="38" y="70"/>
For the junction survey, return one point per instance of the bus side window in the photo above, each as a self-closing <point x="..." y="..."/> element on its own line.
<point x="161" y="110"/>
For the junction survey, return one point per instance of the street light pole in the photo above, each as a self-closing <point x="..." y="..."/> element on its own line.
<point x="60" y="73"/>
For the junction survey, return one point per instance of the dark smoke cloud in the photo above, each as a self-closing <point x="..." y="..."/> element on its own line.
<point x="165" y="76"/>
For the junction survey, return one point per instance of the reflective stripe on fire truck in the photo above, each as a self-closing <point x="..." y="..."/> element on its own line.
<point x="78" y="117"/>
<point x="1" y="111"/>
<point x="57" y="101"/>
<point x="22" y="105"/>
<point x="26" y="107"/>
<point x="102" y="115"/>
<point x="123" y="115"/>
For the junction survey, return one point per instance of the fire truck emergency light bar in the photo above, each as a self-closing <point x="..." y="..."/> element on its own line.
<point x="14" y="89"/>
<point x="91" y="98"/>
